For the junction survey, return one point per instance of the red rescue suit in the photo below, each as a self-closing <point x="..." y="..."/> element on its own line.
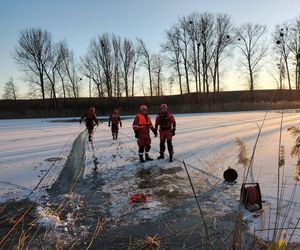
<point x="114" y="121"/>
<point x="141" y="126"/>
<point x="90" y="120"/>
<point x="167" y="127"/>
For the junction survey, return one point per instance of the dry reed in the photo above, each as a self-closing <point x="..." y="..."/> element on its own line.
<point x="297" y="171"/>
<point x="243" y="157"/>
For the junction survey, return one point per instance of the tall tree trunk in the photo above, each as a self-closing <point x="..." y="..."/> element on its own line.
<point x="90" y="87"/>
<point x="195" y="66"/>
<point x="43" y="89"/>
<point x="150" y="81"/>
<point x="186" y="75"/>
<point x="198" y="69"/>
<point x="288" y="74"/>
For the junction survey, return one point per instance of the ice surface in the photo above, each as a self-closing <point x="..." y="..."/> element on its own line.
<point x="34" y="148"/>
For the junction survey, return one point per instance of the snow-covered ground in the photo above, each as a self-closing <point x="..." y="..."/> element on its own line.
<point x="33" y="152"/>
<point x="28" y="149"/>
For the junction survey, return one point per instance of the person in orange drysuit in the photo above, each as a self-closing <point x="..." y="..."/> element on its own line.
<point x="91" y="120"/>
<point x="114" y="121"/>
<point x="167" y="126"/>
<point x="141" y="126"/>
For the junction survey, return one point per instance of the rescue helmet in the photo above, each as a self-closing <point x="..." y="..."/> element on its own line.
<point x="92" y="110"/>
<point x="143" y="108"/>
<point x="163" y="107"/>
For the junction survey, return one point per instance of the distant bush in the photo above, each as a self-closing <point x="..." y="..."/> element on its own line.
<point x="188" y="103"/>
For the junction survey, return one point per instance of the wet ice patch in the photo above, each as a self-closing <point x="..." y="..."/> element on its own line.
<point x="157" y="180"/>
<point x="73" y="168"/>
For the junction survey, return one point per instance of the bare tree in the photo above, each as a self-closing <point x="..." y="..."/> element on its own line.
<point x="106" y="61"/>
<point x="205" y="35"/>
<point x="63" y="52"/>
<point x="170" y="81"/>
<point x="97" y="64"/>
<point x="91" y="66"/>
<point x="252" y="48"/>
<point x="222" y="41"/>
<point x="33" y="54"/>
<point x="34" y="91"/>
<point x="110" y="63"/>
<point x="10" y="90"/>
<point x="192" y="31"/>
<point x="133" y="69"/>
<point x="158" y="64"/>
<point x="210" y="33"/>
<point x="282" y="39"/>
<point x="197" y="45"/>
<point x="116" y="44"/>
<point x="172" y="48"/>
<point x="69" y="67"/>
<point x="184" y="39"/>
<point x="127" y="54"/>
<point x="147" y="61"/>
<point x="52" y="68"/>
<point x="278" y="58"/>
<point x="294" y="44"/>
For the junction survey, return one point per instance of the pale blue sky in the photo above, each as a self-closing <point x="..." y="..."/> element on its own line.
<point x="78" y="21"/>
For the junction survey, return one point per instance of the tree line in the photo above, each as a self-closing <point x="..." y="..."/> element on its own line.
<point x="191" y="59"/>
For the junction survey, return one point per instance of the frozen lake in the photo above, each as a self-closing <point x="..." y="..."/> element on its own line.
<point x="33" y="153"/>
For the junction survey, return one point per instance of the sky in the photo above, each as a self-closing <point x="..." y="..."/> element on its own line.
<point x="78" y="21"/>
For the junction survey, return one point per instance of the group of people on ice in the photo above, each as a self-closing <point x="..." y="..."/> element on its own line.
<point x="164" y="123"/>
<point x="142" y="125"/>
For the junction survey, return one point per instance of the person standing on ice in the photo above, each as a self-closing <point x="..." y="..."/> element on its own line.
<point x="141" y="126"/>
<point x="91" y="121"/>
<point x="113" y="122"/>
<point x="167" y="126"/>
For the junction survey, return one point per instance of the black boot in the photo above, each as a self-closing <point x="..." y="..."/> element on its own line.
<point x="161" y="156"/>
<point x="141" y="159"/>
<point x="148" y="158"/>
<point x="171" y="158"/>
<point x="90" y="138"/>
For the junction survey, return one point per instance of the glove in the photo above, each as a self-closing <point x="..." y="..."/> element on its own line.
<point x="80" y="121"/>
<point x="173" y="131"/>
<point x="121" y="124"/>
<point x="108" y="124"/>
<point x="155" y="133"/>
<point x="136" y="134"/>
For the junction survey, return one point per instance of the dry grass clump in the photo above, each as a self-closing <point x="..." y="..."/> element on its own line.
<point x="281" y="161"/>
<point x="260" y="243"/>
<point x="297" y="172"/>
<point x="151" y="242"/>
<point x="296" y="149"/>
<point x="243" y="157"/>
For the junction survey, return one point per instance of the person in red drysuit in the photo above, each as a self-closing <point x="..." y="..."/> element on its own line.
<point x="141" y="126"/>
<point x="167" y="126"/>
<point x="113" y="122"/>
<point x="91" y="121"/>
